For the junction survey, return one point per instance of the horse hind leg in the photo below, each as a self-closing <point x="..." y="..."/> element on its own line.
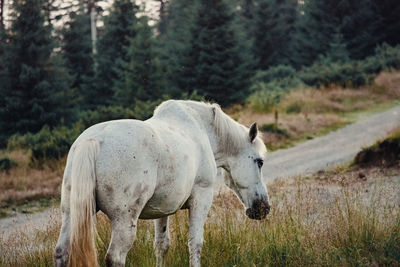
<point x="124" y="226"/>
<point x="161" y="241"/>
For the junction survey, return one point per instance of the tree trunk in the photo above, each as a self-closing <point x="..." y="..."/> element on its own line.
<point x="2" y="4"/>
<point x="93" y="28"/>
<point x="162" y="24"/>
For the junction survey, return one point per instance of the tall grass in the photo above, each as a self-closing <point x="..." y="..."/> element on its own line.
<point x="318" y="225"/>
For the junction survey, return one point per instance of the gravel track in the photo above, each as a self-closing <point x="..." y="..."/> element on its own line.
<point x="321" y="153"/>
<point x="334" y="149"/>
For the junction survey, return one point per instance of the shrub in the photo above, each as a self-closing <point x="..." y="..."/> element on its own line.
<point x="145" y="109"/>
<point x="6" y="164"/>
<point x="104" y="113"/>
<point x="272" y="128"/>
<point x="275" y="73"/>
<point x="386" y="58"/>
<point x="47" y="143"/>
<point x="265" y="97"/>
<point x="345" y="74"/>
<point x="281" y="77"/>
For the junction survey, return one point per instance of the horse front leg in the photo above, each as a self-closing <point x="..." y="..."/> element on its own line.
<point x="161" y="241"/>
<point x="199" y="206"/>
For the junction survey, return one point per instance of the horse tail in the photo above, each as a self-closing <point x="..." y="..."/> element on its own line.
<point x="83" y="205"/>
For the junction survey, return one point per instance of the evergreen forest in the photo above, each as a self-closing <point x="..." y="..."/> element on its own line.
<point x="65" y="65"/>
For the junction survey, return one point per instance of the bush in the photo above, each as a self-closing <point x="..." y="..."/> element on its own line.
<point x="265" y="97"/>
<point x="6" y="164"/>
<point x="281" y="77"/>
<point x="268" y="87"/>
<point x="345" y="74"/>
<point x="104" y="113"/>
<point x="386" y="58"/>
<point x="47" y="143"/>
<point x="272" y="128"/>
<point x="275" y="73"/>
<point x="145" y="109"/>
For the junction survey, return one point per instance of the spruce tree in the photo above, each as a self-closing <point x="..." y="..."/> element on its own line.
<point x="112" y="48"/>
<point x="77" y="51"/>
<point x="37" y="84"/>
<point x="175" y="42"/>
<point x="216" y="64"/>
<point x="274" y="28"/>
<point x="142" y="76"/>
<point x="323" y="19"/>
<point x="388" y="22"/>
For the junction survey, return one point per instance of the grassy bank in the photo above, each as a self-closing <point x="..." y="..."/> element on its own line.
<point x="25" y="189"/>
<point x="309" y="112"/>
<point x="333" y="219"/>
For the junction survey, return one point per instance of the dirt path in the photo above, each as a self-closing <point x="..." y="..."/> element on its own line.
<point x="320" y="153"/>
<point x="328" y="151"/>
<point x="28" y="223"/>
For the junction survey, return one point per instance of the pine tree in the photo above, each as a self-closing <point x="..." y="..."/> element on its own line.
<point x="338" y="51"/>
<point x="323" y="19"/>
<point x="358" y="27"/>
<point x="175" y="42"/>
<point x="112" y="48"/>
<point x="38" y="85"/>
<point x="274" y="28"/>
<point x="216" y="64"/>
<point x="388" y="22"/>
<point x="142" y="77"/>
<point x="77" y="50"/>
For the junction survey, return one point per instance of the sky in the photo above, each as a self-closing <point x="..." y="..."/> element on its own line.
<point x="151" y="9"/>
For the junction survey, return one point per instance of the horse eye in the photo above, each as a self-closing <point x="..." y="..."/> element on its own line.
<point x="259" y="162"/>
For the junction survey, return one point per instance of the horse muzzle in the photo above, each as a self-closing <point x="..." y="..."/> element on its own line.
<point x="259" y="210"/>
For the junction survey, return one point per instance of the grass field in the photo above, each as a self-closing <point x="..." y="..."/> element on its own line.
<point x="338" y="218"/>
<point x="332" y="218"/>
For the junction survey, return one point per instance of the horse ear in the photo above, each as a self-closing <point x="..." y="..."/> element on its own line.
<point x="253" y="132"/>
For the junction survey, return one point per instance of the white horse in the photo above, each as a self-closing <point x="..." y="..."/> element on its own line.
<point x="132" y="170"/>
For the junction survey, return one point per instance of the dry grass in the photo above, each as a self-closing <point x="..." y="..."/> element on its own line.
<point x="24" y="184"/>
<point x="390" y="81"/>
<point x="300" y="126"/>
<point x="331" y="219"/>
<point x="310" y="112"/>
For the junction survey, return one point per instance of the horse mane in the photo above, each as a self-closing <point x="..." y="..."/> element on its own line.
<point x="231" y="135"/>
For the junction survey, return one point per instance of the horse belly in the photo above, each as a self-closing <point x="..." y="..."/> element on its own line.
<point x="166" y="201"/>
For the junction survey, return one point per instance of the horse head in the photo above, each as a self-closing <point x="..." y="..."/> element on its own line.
<point x="244" y="176"/>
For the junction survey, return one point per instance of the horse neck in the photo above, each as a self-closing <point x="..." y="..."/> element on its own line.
<point x="220" y="144"/>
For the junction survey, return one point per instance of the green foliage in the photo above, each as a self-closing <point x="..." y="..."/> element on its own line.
<point x="325" y="20"/>
<point x="269" y="86"/>
<point x="388" y="22"/>
<point x="272" y="128"/>
<point x="216" y="65"/>
<point x="274" y="23"/>
<point x="104" y="113"/>
<point x="112" y="49"/>
<point x="175" y="42"/>
<point x="77" y="51"/>
<point x="37" y="89"/>
<point x="325" y="73"/>
<point x="386" y="58"/>
<point x="143" y="79"/>
<point x="265" y="97"/>
<point x="7" y="164"/>
<point x="47" y="144"/>
<point x="282" y="74"/>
